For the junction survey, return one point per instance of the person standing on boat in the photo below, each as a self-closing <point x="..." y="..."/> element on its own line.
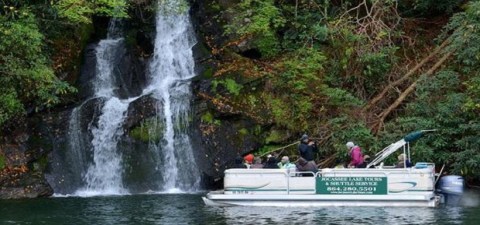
<point x="307" y="148"/>
<point x="356" y="156"/>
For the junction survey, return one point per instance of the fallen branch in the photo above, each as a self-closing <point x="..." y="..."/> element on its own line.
<point x="407" y="92"/>
<point x="406" y="76"/>
<point x="281" y="148"/>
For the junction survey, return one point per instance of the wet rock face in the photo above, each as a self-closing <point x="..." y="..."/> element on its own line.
<point x="220" y="137"/>
<point x="129" y="73"/>
<point x="22" y="175"/>
<point x="141" y="109"/>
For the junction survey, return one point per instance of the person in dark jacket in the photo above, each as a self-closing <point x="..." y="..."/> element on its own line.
<point x="239" y="163"/>
<point x="366" y="161"/>
<point x="307" y="148"/>
<point x="303" y="166"/>
<point x="271" y="163"/>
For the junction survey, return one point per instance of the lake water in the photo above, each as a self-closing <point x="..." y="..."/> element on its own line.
<point x="189" y="209"/>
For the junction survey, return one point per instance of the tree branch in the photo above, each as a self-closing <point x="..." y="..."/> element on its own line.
<point x="406" y="76"/>
<point x="407" y="91"/>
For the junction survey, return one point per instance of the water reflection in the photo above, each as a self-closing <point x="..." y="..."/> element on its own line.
<point x="189" y="209"/>
<point x="337" y="215"/>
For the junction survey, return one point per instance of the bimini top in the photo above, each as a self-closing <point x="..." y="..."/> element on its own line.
<point x="380" y="156"/>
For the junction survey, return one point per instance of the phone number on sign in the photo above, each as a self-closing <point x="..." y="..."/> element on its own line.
<point x="351" y="189"/>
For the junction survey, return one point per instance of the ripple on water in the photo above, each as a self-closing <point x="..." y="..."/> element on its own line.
<point x="189" y="209"/>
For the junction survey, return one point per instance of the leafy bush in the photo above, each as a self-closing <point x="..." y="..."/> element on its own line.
<point x="429" y="7"/>
<point x="260" y="19"/>
<point x="26" y="77"/>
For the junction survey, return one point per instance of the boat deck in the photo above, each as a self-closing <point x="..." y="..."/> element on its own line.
<point x="328" y="187"/>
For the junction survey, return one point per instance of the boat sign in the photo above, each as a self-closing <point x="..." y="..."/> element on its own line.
<point x="351" y="185"/>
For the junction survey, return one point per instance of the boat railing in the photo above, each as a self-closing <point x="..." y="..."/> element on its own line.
<point x="293" y="174"/>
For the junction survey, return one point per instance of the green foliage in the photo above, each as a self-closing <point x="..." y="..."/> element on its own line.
<point x="11" y="106"/>
<point x="150" y="130"/>
<point x="2" y="162"/>
<point x="243" y="131"/>
<point x="302" y="70"/>
<point x="473" y="94"/>
<point x="81" y="11"/>
<point x="439" y="105"/>
<point x="260" y="19"/>
<point x="338" y="97"/>
<point x="428" y="7"/>
<point x="26" y="77"/>
<point x="209" y="119"/>
<point x="463" y="30"/>
<point x="307" y="26"/>
<point x="231" y="86"/>
<point x="266" y="149"/>
<point x="275" y="136"/>
<point x="35" y="40"/>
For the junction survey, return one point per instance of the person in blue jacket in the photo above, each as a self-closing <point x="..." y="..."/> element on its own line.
<point x="307" y="148"/>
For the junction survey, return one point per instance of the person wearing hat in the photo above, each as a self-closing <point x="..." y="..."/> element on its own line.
<point x="356" y="156"/>
<point x="248" y="160"/>
<point x="307" y="148"/>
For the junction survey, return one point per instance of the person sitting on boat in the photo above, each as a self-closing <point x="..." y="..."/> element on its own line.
<point x="307" y="148"/>
<point x="248" y="160"/>
<point x="285" y="163"/>
<point x="356" y="156"/>
<point x="271" y="163"/>
<point x="303" y="166"/>
<point x="239" y="163"/>
<point x="402" y="163"/>
<point x="257" y="163"/>
<point x="366" y="161"/>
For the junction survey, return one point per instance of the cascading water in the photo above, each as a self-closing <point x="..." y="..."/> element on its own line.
<point x="170" y="70"/>
<point x="103" y="170"/>
<point x="104" y="175"/>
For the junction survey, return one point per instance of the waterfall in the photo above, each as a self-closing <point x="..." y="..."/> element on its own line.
<point x="170" y="70"/>
<point x="104" y="175"/>
<point x="93" y="150"/>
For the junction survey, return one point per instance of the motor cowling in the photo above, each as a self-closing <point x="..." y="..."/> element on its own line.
<point x="451" y="187"/>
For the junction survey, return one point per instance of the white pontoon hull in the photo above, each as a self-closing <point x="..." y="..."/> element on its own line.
<point x="409" y="187"/>
<point x="319" y="201"/>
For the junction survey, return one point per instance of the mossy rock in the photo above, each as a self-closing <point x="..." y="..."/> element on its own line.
<point x="276" y="136"/>
<point x="208" y="118"/>
<point x="149" y="130"/>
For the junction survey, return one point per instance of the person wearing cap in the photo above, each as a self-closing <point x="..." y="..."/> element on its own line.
<point x="356" y="156"/>
<point x="307" y="148"/>
<point x="248" y="160"/>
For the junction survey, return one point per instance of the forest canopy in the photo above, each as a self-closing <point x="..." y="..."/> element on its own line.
<point x="31" y="61"/>
<point x="369" y="71"/>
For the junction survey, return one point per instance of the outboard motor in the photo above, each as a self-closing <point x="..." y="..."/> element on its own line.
<point x="451" y="187"/>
